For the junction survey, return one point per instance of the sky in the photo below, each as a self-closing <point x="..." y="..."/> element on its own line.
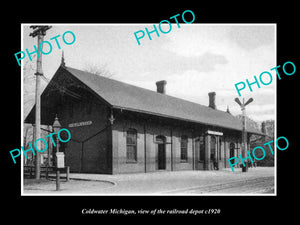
<point x="194" y="59"/>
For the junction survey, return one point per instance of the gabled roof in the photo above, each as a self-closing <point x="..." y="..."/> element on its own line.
<point x="133" y="98"/>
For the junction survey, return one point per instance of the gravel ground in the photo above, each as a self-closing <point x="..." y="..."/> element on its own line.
<point x="258" y="180"/>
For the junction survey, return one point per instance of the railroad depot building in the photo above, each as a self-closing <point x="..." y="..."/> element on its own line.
<point x="120" y="128"/>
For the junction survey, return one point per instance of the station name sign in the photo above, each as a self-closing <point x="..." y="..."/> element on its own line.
<point x="80" y="124"/>
<point x="214" y="133"/>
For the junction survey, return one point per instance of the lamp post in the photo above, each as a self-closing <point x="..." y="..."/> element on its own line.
<point x="244" y="133"/>
<point x="56" y="128"/>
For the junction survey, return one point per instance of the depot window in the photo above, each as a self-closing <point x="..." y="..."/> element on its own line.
<point x="131" y="145"/>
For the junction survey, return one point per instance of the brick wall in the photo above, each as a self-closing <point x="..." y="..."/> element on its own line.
<point x="147" y="148"/>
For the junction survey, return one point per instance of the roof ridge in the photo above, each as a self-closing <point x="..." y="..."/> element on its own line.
<point x="152" y="91"/>
<point x="123" y="95"/>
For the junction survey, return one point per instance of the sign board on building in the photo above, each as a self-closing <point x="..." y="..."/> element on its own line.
<point x="214" y="132"/>
<point x="60" y="159"/>
<point x="80" y="124"/>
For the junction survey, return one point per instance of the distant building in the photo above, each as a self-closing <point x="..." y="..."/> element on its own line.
<point x="120" y="128"/>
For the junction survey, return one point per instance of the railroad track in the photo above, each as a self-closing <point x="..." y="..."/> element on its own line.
<point x="250" y="185"/>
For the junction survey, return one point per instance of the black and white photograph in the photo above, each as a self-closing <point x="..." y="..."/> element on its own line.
<point x="129" y="112"/>
<point x="152" y="116"/>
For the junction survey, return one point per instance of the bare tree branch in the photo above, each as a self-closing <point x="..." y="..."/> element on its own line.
<point x="99" y="70"/>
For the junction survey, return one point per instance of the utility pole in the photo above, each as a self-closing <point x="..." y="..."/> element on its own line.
<point x="244" y="133"/>
<point x="39" y="31"/>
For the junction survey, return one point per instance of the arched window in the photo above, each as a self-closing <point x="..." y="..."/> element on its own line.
<point x="131" y="145"/>
<point x="160" y="139"/>
<point x="184" y="148"/>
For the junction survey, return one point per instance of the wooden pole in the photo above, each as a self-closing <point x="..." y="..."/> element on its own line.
<point x="57" y="169"/>
<point x="49" y="149"/>
<point x="57" y="179"/>
<point x="39" y="31"/>
<point x="38" y="74"/>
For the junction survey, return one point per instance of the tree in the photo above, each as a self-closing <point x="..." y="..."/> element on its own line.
<point x="99" y="70"/>
<point x="269" y="125"/>
<point x="249" y="122"/>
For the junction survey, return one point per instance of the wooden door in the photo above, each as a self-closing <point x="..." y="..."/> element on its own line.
<point x="161" y="157"/>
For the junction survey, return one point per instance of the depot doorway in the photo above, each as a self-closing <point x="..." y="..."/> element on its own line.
<point x="161" y="152"/>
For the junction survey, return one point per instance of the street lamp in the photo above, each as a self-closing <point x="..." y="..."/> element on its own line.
<point x="56" y="127"/>
<point x="244" y="133"/>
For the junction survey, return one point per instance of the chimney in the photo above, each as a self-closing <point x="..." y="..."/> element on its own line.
<point x="228" y="111"/>
<point x="212" y="97"/>
<point x="161" y="86"/>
